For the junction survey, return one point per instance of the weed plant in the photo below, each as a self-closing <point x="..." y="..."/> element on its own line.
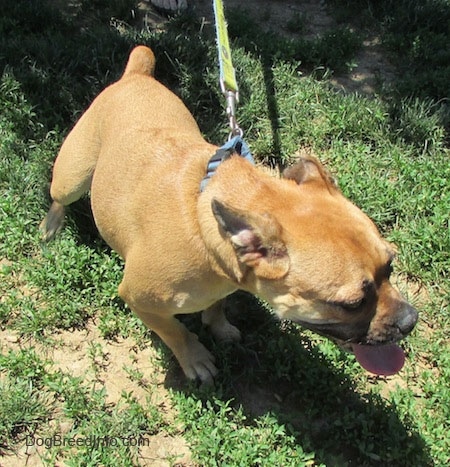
<point x="283" y="396"/>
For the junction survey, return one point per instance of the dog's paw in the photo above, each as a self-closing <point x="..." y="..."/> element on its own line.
<point x="226" y="332"/>
<point x="215" y="319"/>
<point x="198" y="364"/>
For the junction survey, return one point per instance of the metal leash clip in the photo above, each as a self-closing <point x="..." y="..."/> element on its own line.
<point x="232" y="98"/>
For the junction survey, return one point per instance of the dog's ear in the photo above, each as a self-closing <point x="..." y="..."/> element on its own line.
<point x="309" y="169"/>
<point x="256" y="238"/>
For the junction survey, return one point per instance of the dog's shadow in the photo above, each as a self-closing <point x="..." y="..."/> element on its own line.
<point x="278" y="370"/>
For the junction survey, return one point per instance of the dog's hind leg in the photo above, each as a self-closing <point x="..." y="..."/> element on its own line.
<point x="52" y="222"/>
<point x="73" y="171"/>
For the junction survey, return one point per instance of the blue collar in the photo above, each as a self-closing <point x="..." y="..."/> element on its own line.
<point x="234" y="145"/>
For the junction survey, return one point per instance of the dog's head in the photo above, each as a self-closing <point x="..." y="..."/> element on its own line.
<point x="321" y="262"/>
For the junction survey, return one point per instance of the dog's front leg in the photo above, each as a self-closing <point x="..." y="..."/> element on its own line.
<point x="195" y="360"/>
<point x="214" y="317"/>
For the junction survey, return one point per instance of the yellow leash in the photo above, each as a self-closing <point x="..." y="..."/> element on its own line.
<point x="228" y="82"/>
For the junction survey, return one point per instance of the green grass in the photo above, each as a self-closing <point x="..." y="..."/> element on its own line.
<point x="283" y="396"/>
<point x="416" y="35"/>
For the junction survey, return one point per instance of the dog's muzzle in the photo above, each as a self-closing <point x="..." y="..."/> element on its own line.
<point x="374" y="344"/>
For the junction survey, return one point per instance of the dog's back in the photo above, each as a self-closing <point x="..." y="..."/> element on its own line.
<point x="137" y="104"/>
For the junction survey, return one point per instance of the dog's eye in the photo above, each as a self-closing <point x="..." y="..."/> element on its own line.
<point x="350" y="305"/>
<point x="353" y="305"/>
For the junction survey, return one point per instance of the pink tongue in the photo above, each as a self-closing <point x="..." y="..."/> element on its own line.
<point x="383" y="360"/>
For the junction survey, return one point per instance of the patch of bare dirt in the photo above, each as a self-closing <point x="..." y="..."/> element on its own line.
<point x="110" y="364"/>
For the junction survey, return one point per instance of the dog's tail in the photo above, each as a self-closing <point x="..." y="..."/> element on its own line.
<point x="141" y="61"/>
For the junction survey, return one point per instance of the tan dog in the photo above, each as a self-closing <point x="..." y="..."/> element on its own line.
<point x="296" y="242"/>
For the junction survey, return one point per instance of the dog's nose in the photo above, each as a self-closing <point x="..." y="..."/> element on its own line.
<point x="407" y="319"/>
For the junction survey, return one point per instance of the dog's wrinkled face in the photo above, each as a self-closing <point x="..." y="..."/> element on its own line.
<point x="323" y="264"/>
